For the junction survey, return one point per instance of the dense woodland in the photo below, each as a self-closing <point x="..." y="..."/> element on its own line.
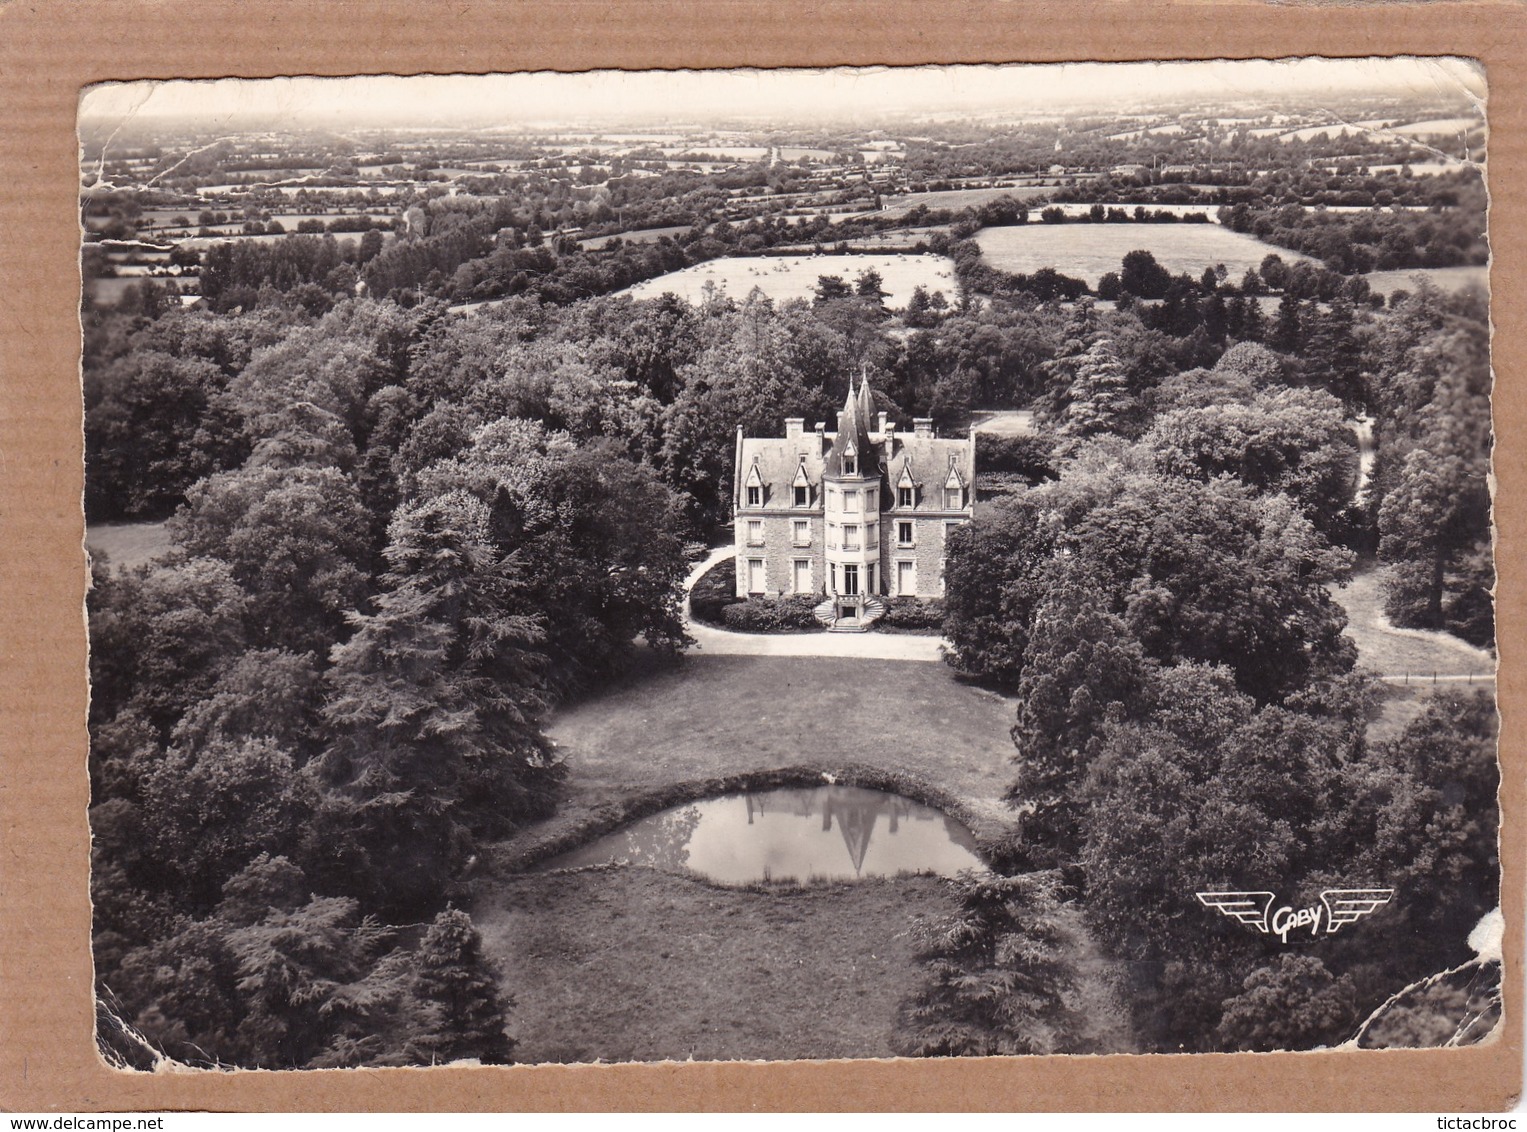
<point x="404" y="534"/>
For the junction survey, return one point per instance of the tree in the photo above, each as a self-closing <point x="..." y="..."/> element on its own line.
<point x="160" y="636"/>
<point x="433" y="710"/>
<point x="1081" y="669"/>
<point x="998" y="978"/>
<point x="296" y="539"/>
<point x="1294" y="1003"/>
<point x="994" y="579"/>
<point x="1293" y="441"/>
<point x="831" y="287"/>
<point x="464" y="1012"/>
<point x="596" y="535"/>
<point x="218" y="806"/>
<point x="1143" y="277"/>
<point x="1100" y="400"/>
<point x="1428" y="520"/>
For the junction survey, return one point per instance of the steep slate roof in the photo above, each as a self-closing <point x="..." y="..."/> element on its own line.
<point x="853" y="429"/>
<point x="780" y="459"/>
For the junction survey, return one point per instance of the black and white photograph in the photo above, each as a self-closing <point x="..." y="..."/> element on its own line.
<point x="640" y="566"/>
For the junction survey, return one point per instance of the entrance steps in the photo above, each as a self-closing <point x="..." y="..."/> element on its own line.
<point x="872" y="611"/>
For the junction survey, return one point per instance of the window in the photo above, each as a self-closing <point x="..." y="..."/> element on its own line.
<point x="832" y="536"/>
<point x="950" y="528"/>
<point x="952" y="499"/>
<point x="755" y="575"/>
<point x="871" y="588"/>
<point x="801" y="532"/>
<point x="904" y="497"/>
<point x="871" y="535"/>
<point x="755" y="532"/>
<point x="802" y="496"/>
<point x="850" y="465"/>
<point x="850" y="536"/>
<point x="869" y="500"/>
<point x="802" y="575"/>
<point x="904" y="534"/>
<point x="850" y="501"/>
<point x="850" y="580"/>
<point x="755" y="496"/>
<point x="906" y="578"/>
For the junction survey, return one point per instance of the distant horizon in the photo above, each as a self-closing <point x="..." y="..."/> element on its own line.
<point x="550" y="100"/>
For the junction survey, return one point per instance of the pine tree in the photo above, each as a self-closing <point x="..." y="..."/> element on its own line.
<point x="1101" y="401"/>
<point x="464" y="1011"/>
<point x="434" y="703"/>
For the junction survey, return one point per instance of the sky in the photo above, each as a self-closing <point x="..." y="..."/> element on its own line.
<point x="688" y="96"/>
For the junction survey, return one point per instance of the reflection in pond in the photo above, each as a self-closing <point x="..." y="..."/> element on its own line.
<point x="820" y="832"/>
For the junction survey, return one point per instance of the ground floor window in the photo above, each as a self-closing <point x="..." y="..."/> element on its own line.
<point x="906" y="578"/>
<point x="803" y="575"/>
<point x="755" y="575"/>
<point x="850" y="580"/>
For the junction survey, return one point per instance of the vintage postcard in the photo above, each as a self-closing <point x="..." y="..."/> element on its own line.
<point x="805" y="566"/>
<point x="834" y="564"/>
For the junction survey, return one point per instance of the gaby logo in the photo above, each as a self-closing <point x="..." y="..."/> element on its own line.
<point x="1338" y="906"/>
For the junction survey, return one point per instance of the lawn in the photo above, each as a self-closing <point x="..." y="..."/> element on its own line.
<point x="627" y="964"/>
<point x="1389" y="651"/>
<point x="795" y="277"/>
<point x="1088" y="251"/>
<point x="726" y="714"/>
<point x="126" y="545"/>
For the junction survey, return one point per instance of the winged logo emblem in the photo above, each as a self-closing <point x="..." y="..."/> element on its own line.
<point x="1248" y="907"/>
<point x="1337" y="908"/>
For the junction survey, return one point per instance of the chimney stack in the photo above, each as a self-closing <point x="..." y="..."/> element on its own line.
<point x="922" y="426"/>
<point x="793" y="426"/>
<point x="881" y="422"/>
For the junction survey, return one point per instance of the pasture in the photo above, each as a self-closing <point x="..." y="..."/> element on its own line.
<point x="904" y="203"/>
<point x="795" y="277"/>
<point x="1443" y="278"/>
<point x="1089" y="251"/>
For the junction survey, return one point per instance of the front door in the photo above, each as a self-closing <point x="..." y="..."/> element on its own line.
<point x="850" y="580"/>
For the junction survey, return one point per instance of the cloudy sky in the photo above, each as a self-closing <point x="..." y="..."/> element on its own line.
<point x="686" y="96"/>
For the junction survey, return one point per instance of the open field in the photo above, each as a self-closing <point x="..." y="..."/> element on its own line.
<point x="1444" y="278"/>
<point x="795" y="277"/>
<point x="1088" y="251"/>
<point x="126" y="545"/>
<point x="633" y="964"/>
<point x="639" y="236"/>
<point x="903" y="203"/>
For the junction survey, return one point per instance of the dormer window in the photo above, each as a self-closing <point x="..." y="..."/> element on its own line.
<point x="906" y="487"/>
<point x="954" y="488"/>
<point x="850" y="465"/>
<point x="801" y="485"/>
<point x="753" y="487"/>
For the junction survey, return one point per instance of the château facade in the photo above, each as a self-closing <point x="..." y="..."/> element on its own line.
<point x="852" y="515"/>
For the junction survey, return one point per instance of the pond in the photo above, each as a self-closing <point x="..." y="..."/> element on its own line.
<point x="801" y="834"/>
